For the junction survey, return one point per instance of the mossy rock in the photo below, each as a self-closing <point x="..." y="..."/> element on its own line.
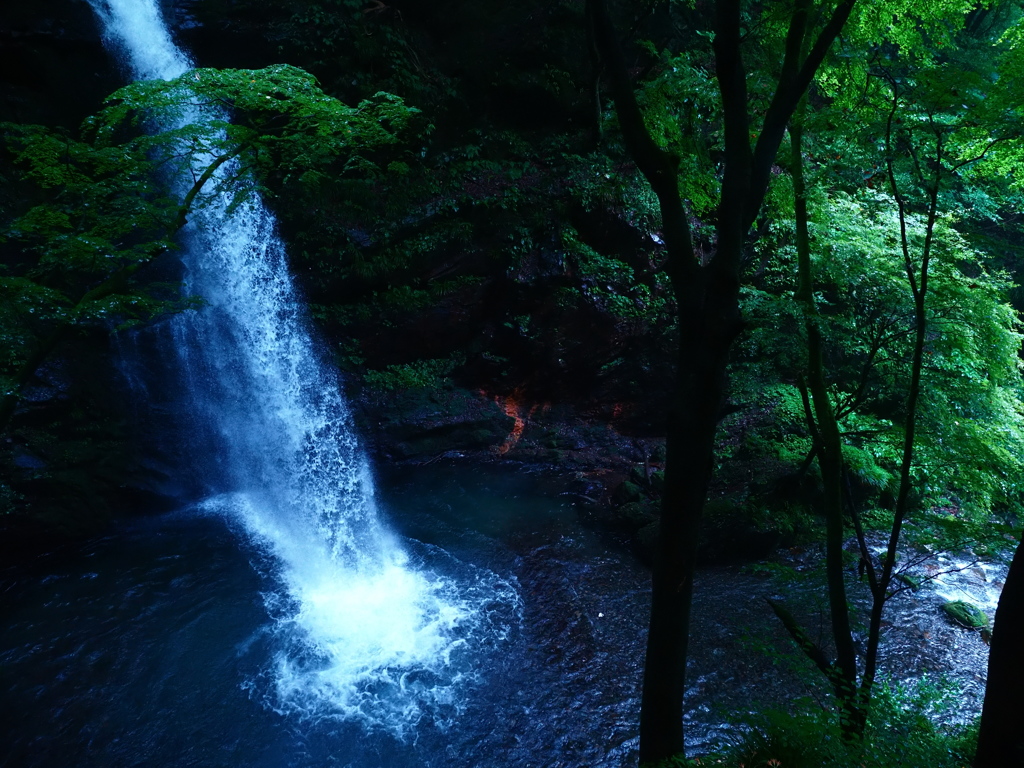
<point x="658" y="481"/>
<point x="627" y="492"/>
<point x="914" y="582"/>
<point x="637" y="514"/>
<point x="966" y="614"/>
<point x="731" y="532"/>
<point x="480" y="434"/>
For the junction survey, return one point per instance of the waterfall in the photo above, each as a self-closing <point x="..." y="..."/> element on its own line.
<point x="361" y="632"/>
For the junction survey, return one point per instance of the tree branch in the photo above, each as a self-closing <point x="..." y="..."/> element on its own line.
<point x="659" y="167"/>
<point x="784" y="103"/>
<point x="812" y="650"/>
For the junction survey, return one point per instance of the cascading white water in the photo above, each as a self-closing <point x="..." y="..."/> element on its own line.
<point x="361" y="633"/>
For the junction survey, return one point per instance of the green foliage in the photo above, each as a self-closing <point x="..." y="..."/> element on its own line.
<point x="923" y="27"/>
<point x="598" y="183"/>
<point x="94" y="217"/>
<point x="276" y="119"/>
<point x="420" y="374"/>
<point x="681" y="107"/>
<point x="609" y="282"/>
<point x="92" y="204"/>
<point x="970" y="414"/>
<point x="99" y="211"/>
<point x="901" y="731"/>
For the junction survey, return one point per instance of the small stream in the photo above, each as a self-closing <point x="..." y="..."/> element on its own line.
<point x="155" y="645"/>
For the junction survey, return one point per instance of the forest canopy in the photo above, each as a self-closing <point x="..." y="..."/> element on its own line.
<point x="777" y="241"/>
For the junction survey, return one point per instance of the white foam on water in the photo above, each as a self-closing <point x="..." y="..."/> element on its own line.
<point x="969" y="580"/>
<point x="361" y="633"/>
<point x="379" y="642"/>
<point x="961" y="577"/>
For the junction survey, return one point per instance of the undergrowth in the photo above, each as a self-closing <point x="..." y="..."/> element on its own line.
<point x="902" y="732"/>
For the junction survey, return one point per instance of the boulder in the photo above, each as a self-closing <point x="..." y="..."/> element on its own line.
<point x="966" y="615"/>
<point x="628" y="492"/>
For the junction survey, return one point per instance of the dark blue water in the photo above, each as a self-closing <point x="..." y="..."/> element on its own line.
<point x="153" y="644"/>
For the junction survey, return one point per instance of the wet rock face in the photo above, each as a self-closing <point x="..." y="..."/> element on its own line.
<point x="53" y="69"/>
<point x="68" y="462"/>
<point x="222" y="33"/>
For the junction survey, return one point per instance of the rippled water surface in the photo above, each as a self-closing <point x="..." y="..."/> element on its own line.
<point x="156" y="644"/>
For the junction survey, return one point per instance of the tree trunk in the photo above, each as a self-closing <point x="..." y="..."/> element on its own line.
<point x="830" y="457"/>
<point x="919" y="288"/>
<point x="708" y="320"/>
<point x="705" y="339"/>
<point x="1001" y="738"/>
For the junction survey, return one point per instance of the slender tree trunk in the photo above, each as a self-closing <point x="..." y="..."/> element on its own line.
<point x="1001" y="737"/>
<point x="853" y="697"/>
<point x="830" y="457"/>
<point x="918" y="281"/>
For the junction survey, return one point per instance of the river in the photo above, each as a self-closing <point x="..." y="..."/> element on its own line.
<point x="155" y="645"/>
